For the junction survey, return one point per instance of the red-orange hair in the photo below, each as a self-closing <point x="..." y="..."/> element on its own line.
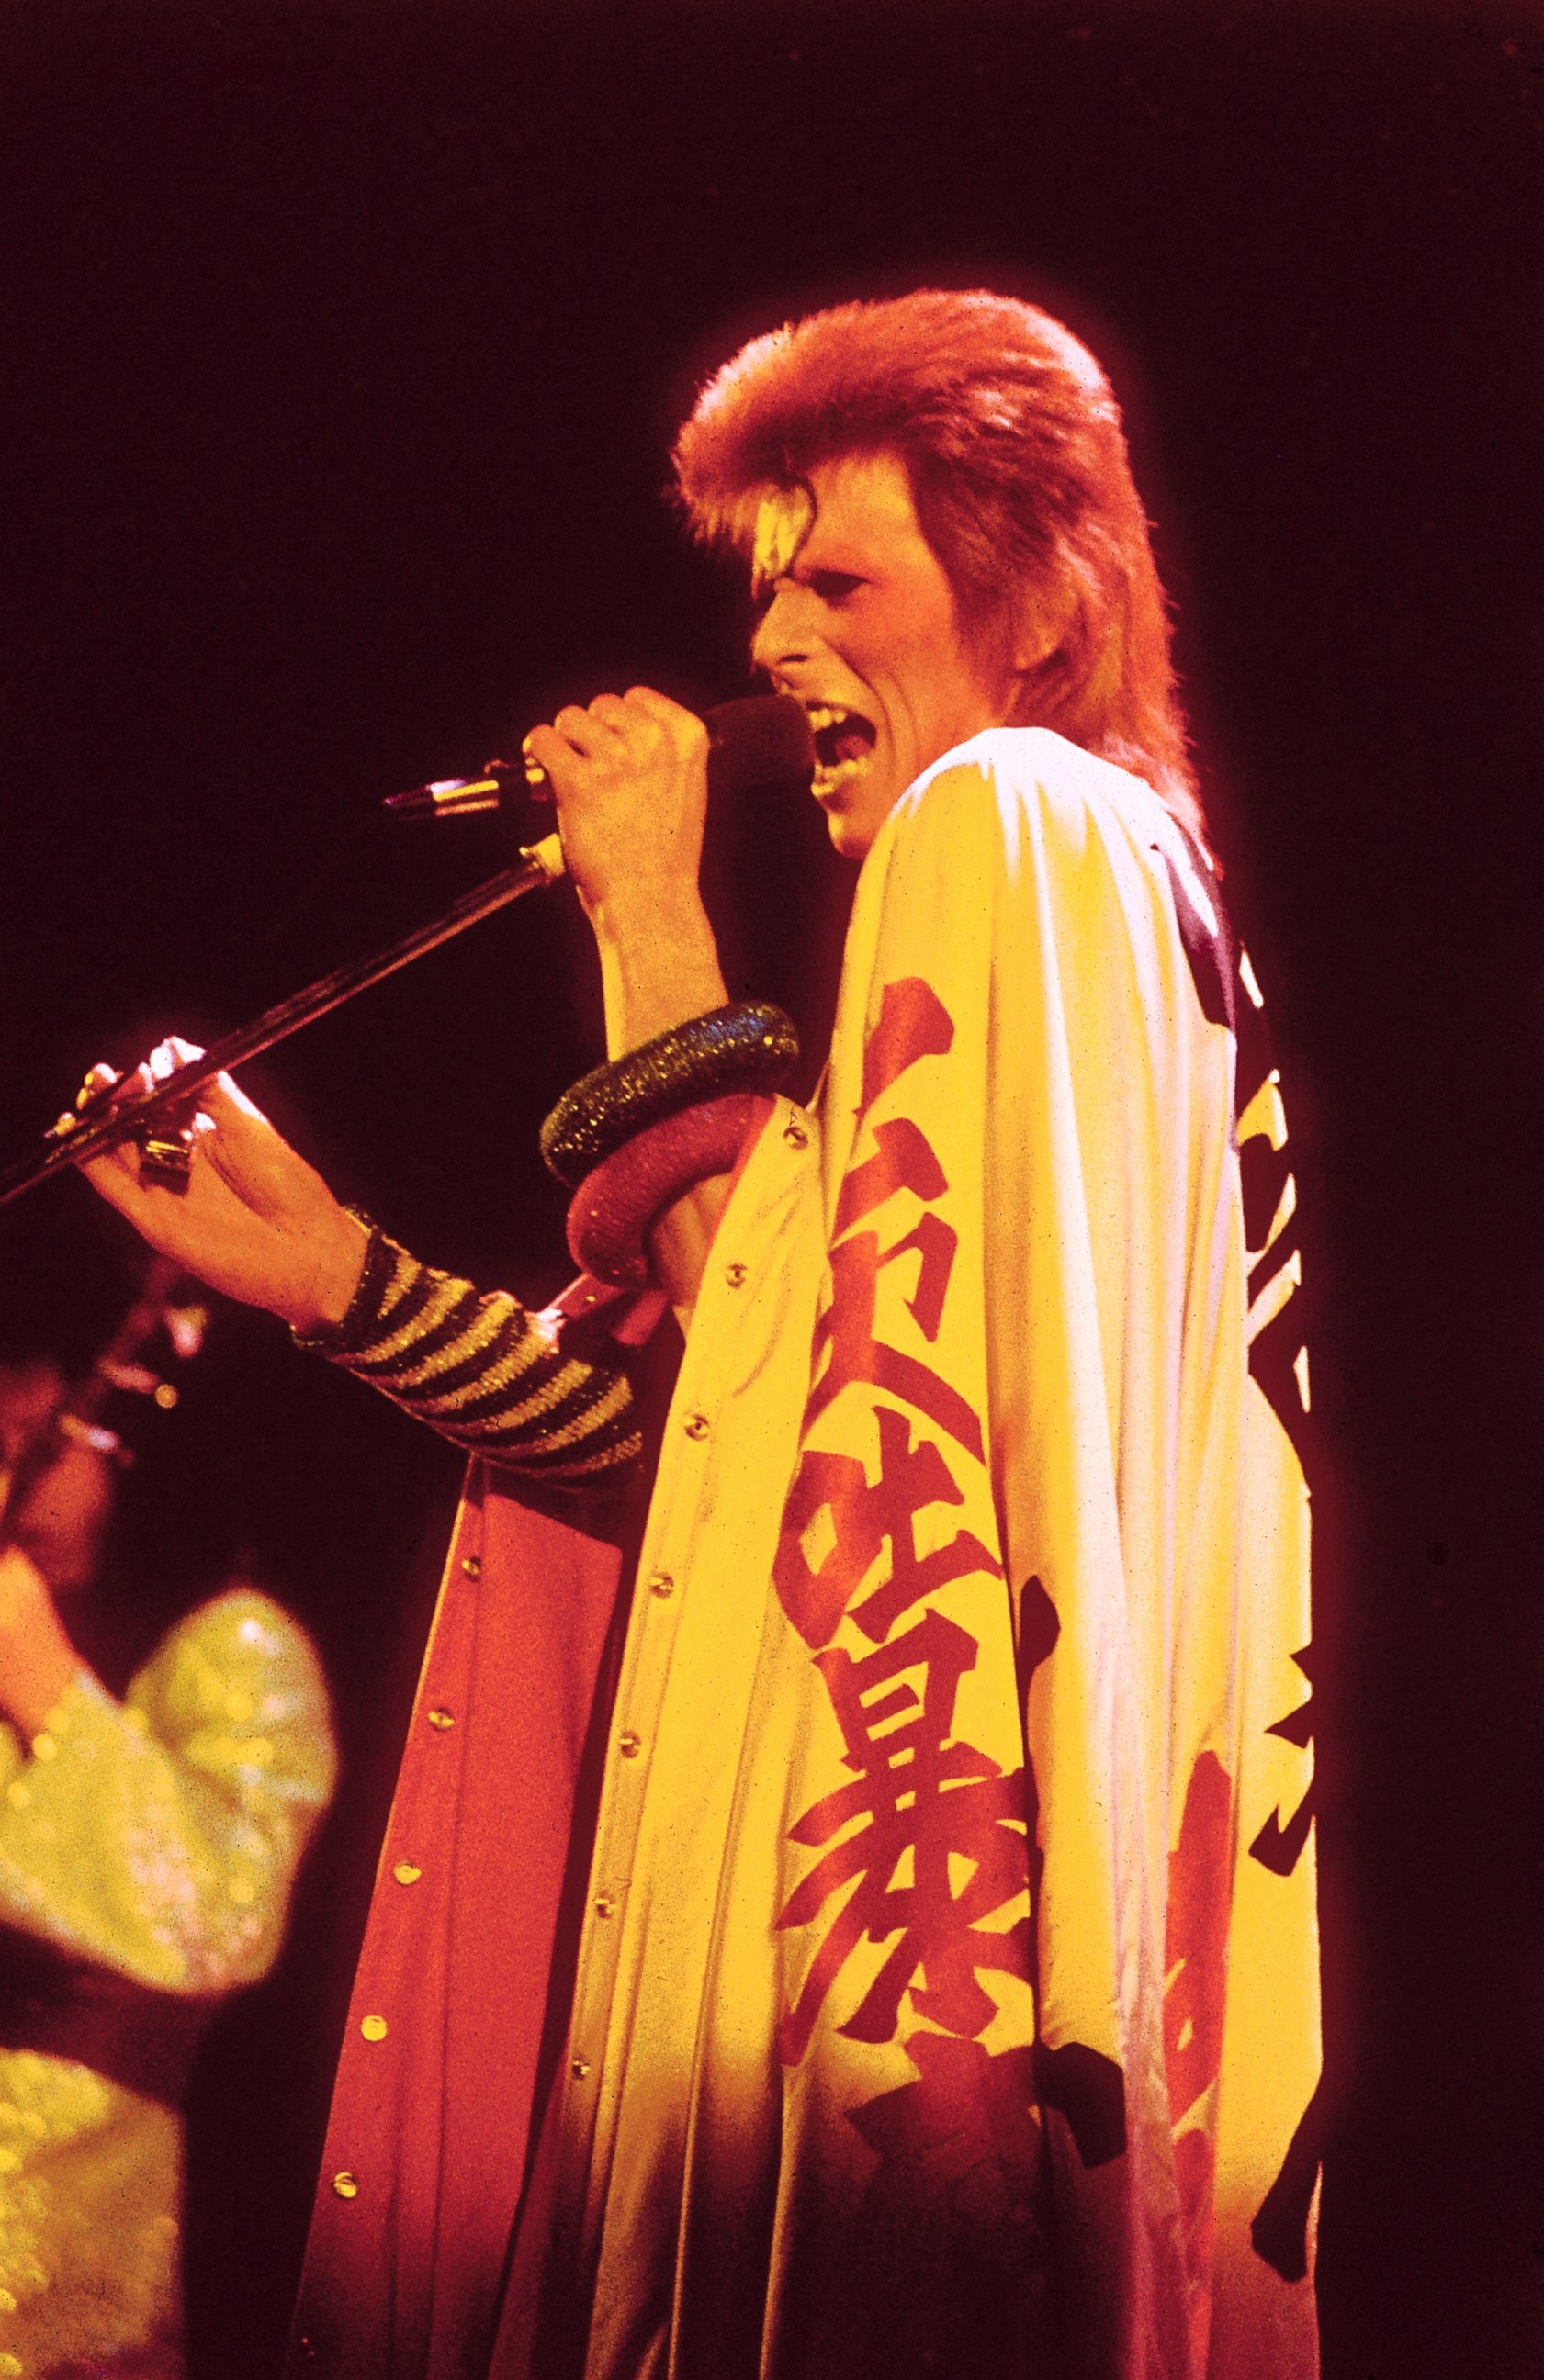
<point x="1012" y="442"/>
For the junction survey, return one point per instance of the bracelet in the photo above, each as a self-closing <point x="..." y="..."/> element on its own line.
<point x="748" y="1045"/>
<point x="620" y="1200"/>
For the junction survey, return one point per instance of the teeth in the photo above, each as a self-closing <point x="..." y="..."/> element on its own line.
<point x="826" y="714"/>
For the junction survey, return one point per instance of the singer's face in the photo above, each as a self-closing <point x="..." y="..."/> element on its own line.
<point x="861" y="626"/>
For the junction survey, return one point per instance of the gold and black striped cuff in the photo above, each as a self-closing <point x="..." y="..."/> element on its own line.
<point x="479" y="1369"/>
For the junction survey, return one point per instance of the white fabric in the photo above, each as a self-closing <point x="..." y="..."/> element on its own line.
<point x="855" y="2082"/>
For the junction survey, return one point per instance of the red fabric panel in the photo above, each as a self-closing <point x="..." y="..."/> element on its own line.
<point x="430" y="2119"/>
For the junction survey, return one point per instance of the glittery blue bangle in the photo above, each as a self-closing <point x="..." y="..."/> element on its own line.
<point x="747" y="1047"/>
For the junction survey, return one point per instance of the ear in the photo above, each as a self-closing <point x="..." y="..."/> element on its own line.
<point x="1042" y="627"/>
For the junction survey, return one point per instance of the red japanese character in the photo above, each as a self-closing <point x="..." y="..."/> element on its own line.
<point x="920" y="1802"/>
<point x="865" y="1517"/>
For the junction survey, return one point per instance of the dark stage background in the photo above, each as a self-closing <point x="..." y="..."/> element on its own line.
<point x="344" y="346"/>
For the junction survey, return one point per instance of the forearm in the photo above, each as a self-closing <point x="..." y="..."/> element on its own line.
<point x="37" y="1659"/>
<point x="481" y="1370"/>
<point x="658" y="968"/>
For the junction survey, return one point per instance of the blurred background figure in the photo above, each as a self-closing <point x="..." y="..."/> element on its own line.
<point x="158" y="1785"/>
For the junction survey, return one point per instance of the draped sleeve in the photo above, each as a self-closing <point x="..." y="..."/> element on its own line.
<point x="159" y="1836"/>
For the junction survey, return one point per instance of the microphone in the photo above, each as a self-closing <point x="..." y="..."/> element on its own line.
<point x="761" y="739"/>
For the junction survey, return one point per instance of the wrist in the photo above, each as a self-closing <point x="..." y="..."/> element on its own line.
<point x="642" y="912"/>
<point x="659" y="966"/>
<point x="339" y="1254"/>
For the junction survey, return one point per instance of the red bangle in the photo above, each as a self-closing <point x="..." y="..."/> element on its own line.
<point x="620" y="1200"/>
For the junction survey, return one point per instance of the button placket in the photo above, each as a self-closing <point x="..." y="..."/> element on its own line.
<point x="608" y="1948"/>
<point x="641" y="1694"/>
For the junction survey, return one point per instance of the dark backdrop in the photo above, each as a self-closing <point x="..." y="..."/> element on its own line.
<point x="344" y="346"/>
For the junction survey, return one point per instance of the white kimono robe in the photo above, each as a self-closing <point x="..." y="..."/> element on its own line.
<point x="946" y="1996"/>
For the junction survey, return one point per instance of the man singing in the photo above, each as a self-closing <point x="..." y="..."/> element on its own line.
<point x="881" y="1939"/>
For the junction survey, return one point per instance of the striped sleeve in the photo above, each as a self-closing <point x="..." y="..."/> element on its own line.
<point x="481" y="1369"/>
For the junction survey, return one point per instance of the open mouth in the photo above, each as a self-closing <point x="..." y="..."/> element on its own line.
<point x="844" y="744"/>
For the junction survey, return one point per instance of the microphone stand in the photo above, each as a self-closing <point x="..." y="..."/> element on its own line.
<point x="540" y="865"/>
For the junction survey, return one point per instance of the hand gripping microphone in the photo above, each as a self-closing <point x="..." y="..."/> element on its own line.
<point x="762" y="739"/>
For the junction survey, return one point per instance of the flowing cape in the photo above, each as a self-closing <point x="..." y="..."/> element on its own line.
<point x="945" y="1994"/>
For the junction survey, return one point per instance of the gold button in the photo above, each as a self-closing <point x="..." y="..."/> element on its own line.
<point x="344" y="2186"/>
<point x="662" y="1584"/>
<point x="373" y="2027"/>
<point x="441" y="1719"/>
<point x="796" y="1136"/>
<point x="471" y="1566"/>
<point x="19" y="1794"/>
<point x="405" y="1873"/>
<point x="44" y="1747"/>
<point x="605" y="1905"/>
<point x="735" y="1275"/>
<point x="631" y="1745"/>
<point x="578" y="2068"/>
<point x="697" y="1425"/>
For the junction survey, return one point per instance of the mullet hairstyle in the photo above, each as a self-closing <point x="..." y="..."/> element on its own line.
<point x="1012" y="443"/>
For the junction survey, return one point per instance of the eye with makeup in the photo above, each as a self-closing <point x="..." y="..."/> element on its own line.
<point x="833" y="587"/>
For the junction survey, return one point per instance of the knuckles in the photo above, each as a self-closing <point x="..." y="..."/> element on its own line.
<point x="641" y="730"/>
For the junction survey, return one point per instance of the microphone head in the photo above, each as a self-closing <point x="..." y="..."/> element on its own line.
<point x="762" y="739"/>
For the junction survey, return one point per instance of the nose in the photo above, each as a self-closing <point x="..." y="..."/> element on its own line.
<point x="784" y="634"/>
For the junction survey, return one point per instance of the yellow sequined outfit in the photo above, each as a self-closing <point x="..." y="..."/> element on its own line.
<point x="155" y="1840"/>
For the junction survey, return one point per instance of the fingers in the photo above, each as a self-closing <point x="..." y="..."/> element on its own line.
<point x="548" y="751"/>
<point x="228" y="1105"/>
<point x="629" y="729"/>
<point x="168" y="1055"/>
<point x="118" y="1170"/>
<point x="597" y="731"/>
<point x="115" y="1174"/>
<point x="99" y="1081"/>
<point x="164" y="1063"/>
<point x="584" y="731"/>
<point x="685" y="730"/>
